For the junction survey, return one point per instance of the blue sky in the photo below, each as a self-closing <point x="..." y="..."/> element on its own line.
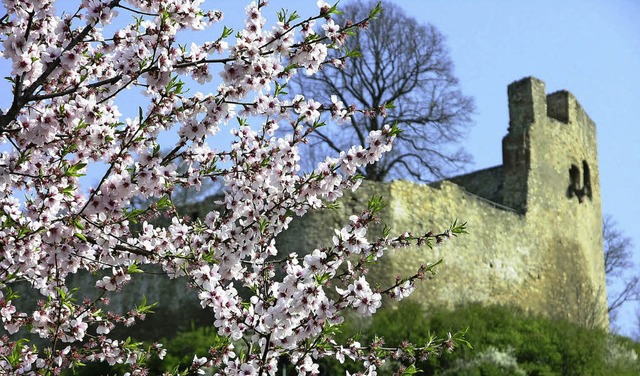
<point x="589" y="47"/>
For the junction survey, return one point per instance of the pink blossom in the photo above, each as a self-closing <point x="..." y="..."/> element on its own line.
<point x="74" y="168"/>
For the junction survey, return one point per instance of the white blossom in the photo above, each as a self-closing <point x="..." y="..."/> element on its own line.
<point x="56" y="222"/>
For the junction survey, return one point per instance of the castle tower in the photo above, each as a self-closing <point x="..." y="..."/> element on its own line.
<point x="550" y="151"/>
<point x="550" y="167"/>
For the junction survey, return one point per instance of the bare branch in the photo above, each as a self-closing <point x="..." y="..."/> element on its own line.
<point x="617" y="248"/>
<point x="618" y="262"/>
<point x="629" y="293"/>
<point x="406" y="63"/>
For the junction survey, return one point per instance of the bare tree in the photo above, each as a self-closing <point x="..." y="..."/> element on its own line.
<point x="617" y="262"/>
<point x="407" y="64"/>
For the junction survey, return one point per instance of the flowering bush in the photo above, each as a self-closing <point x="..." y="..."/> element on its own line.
<point x="63" y="122"/>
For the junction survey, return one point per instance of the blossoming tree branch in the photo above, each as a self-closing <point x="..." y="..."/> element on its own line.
<point x="67" y="72"/>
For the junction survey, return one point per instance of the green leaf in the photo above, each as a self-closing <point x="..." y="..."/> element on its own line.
<point x="280" y="88"/>
<point x="332" y="206"/>
<point x="459" y="337"/>
<point x="10" y="295"/>
<point x="375" y="11"/>
<point x="334" y="10"/>
<point x="133" y="269"/>
<point x="395" y="130"/>
<point x="130" y="345"/>
<point x="263" y="225"/>
<point x="74" y="170"/>
<point x="77" y="224"/>
<point x="322" y="278"/>
<point x="144" y="307"/>
<point x="175" y="86"/>
<point x="371" y="259"/>
<point x="16" y="353"/>
<point x="164" y="203"/>
<point x="294" y="16"/>
<point x="82" y="124"/>
<point x="226" y="32"/>
<point x="332" y="329"/>
<point x="351" y="54"/>
<point x="318" y="124"/>
<point x="457" y="229"/>
<point x="68" y="191"/>
<point x="291" y="66"/>
<point x="133" y="214"/>
<point x="376" y="204"/>
<point x="284" y="17"/>
<point x="411" y="370"/>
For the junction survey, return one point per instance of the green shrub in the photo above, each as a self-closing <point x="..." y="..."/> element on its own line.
<point x="506" y="341"/>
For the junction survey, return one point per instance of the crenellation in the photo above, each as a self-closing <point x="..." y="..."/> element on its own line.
<point x="527" y="101"/>
<point x="558" y="105"/>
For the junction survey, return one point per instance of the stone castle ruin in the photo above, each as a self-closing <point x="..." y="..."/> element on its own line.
<point x="535" y="225"/>
<point x="535" y="222"/>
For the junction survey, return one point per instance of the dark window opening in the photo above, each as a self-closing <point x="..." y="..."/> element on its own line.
<point x="580" y="186"/>
<point x="586" y="179"/>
